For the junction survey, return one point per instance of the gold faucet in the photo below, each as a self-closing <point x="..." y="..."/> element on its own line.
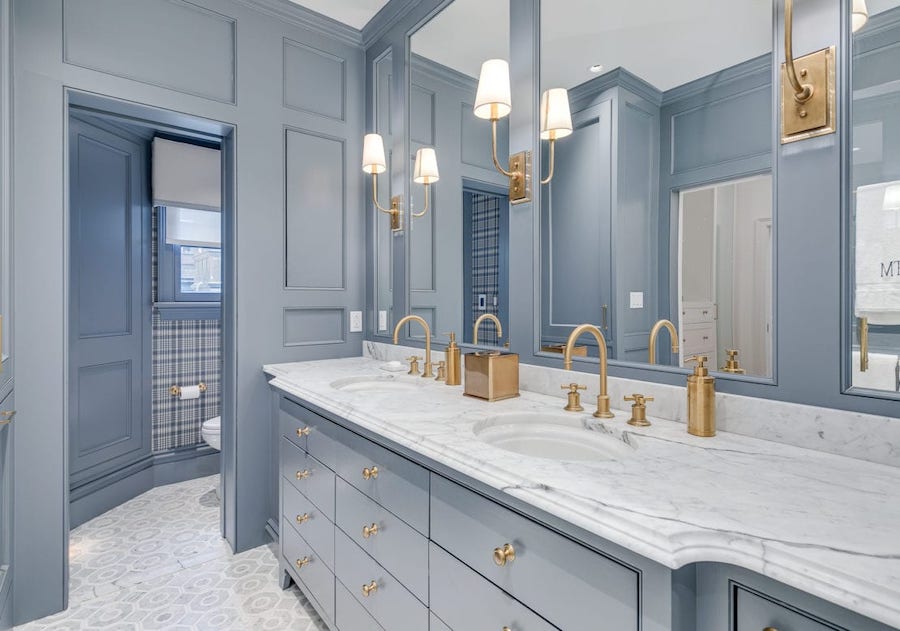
<point x="482" y="318"/>
<point x="603" y="397"/>
<point x="654" y="333"/>
<point x="414" y="318"/>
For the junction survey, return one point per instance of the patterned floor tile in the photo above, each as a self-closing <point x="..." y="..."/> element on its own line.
<point x="158" y="562"/>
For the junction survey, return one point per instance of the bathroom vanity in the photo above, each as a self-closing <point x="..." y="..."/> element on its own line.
<point x="403" y="506"/>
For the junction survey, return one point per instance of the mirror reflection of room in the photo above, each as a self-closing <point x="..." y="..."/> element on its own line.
<point x="458" y="247"/>
<point x="875" y="224"/>
<point x="661" y="204"/>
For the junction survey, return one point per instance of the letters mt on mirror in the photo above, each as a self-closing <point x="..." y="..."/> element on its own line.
<point x="661" y="206"/>
<point x="873" y="253"/>
<point x="458" y="249"/>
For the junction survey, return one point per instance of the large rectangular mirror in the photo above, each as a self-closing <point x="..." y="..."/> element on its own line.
<point x="459" y="242"/>
<point x="661" y="202"/>
<point x="874" y="179"/>
<point x="383" y="236"/>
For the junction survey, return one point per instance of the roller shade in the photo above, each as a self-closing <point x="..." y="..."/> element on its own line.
<point x="186" y="175"/>
<point x="192" y="227"/>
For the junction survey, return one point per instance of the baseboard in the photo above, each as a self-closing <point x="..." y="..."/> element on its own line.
<point x="112" y="489"/>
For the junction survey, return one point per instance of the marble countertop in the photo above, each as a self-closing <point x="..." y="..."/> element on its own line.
<point x="825" y="524"/>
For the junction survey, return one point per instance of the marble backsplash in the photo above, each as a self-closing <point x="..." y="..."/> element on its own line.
<point x="861" y="436"/>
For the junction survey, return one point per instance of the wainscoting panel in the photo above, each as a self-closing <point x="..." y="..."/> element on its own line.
<point x="168" y="43"/>
<point x="315" y="211"/>
<point x="307" y="326"/>
<point x="314" y="80"/>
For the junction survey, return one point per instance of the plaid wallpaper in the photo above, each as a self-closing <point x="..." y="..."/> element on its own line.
<point x="485" y="261"/>
<point x="185" y="353"/>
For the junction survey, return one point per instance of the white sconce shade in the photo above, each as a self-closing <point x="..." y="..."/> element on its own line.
<point x="373" y="154"/>
<point x="892" y="197"/>
<point x="556" y="118"/>
<point x="426" y="168"/>
<point x="493" y="100"/>
<point x="860" y="15"/>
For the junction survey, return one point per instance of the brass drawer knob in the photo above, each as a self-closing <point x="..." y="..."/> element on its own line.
<point x="370" y="473"/>
<point x="302" y="562"/>
<point x="770" y="629"/>
<point x="370" y="531"/>
<point x="7" y="416"/>
<point x="302" y="519"/>
<point x="302" y="475"/>
<point x="303" y="431"/>
<point x="371" y="588"/>
<point x="504" y="555"/>
<point x="506" y="629"/>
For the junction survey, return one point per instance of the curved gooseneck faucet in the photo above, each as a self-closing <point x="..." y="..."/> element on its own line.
<point x="428" y="372"/>
<point x="654" y="333"/>
<point x="603" y="397"/>
<point x="482" y="318"/>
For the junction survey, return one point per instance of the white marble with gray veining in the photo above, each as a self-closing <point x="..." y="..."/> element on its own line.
<point x="825" y="524"/>
<point x="851" y="434"/>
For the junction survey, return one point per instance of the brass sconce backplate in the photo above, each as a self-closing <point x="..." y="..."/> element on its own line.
<point x="395" y="213"/>
<point x="520" y="181"/>
<point x="815" y="116"/>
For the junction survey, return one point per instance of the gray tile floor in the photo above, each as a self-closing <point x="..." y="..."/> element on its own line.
<point x="158" y="562"/>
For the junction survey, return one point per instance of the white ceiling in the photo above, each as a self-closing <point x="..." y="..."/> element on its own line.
<point x="355" y="13"/>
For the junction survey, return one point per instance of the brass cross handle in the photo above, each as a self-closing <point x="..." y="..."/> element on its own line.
<point x="370" y="531"/>
<point x="504" y="555"/>
<point x="413" y="365"/>
<point x="574" y="403"/>
<point x="370" y="473"/>
<point x="639" y="399"/>
<point x="371" y="588"/>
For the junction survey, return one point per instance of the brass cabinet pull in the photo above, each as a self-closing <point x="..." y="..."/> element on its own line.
<point x="7" y="416"/>
<point x="301" y="519"/>
<point x="370" y="531"/>
<point x="303" y="431"/>
<point x="370" y="474"/>
<point x="302" y="562"/>
<point x="371" y="588"/>
<point x="302" y="475"/>
<point x="504" y="555"/>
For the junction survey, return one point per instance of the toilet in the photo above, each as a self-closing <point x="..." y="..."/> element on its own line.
<point x="211" y="431"/>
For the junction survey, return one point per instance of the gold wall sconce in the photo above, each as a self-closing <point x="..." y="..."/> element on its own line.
<point x="425" y="172"/>
<point x="807" y="88"/>
<point x="493" y="101"/>
<point x="375" y="163"/>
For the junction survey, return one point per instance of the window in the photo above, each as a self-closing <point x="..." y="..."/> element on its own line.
<point x="189" y="267"/>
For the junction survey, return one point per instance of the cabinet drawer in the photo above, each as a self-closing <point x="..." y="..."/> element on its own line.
<point x="391" y="604"/>
<point x="561" y="580"/>
<point x="705" y="313"/>
<point x="399" y="485"/>
<point x="755" y="612"/>
<point x="292" y="425"/>
<point x="312" y="524"/>
<point x="467" y="601"/>
<point x="700" y="338"/>
<point x="309" y="476"/>
<point x="351" y="616"/>
<point x="316" y="435"/>
<point x="395" y="545"/>
<point x="315" y="578"/>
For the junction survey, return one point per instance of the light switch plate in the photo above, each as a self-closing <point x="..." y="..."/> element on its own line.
<point x="382" y="320"/>
<point x="482" y="302"/>
<point x="637" y="300"/>
<point x="356" y="322"/>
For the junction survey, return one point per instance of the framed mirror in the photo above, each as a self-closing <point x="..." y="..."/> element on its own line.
<point x="661" y="204"/>
<point x="873" y="163"/>
<point x="458" y="223"/>
<point x="383" y="236"/>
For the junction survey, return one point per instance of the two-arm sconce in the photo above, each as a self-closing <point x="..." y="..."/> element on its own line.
<point x="493" y="101"/>
<point x="425" y="172"/>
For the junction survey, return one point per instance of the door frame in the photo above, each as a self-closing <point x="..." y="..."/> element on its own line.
<point x="189" y="126"/>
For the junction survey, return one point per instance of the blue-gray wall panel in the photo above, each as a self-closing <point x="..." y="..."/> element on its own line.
<point x="305" y="66"/>
<point x="310" y="326"/>
<point x="169" y="43"/>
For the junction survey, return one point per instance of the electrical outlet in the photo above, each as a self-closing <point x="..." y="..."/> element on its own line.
<point x="382" y="320"/>
<point x="356" y="322"/>
<point x="637" y="300"/>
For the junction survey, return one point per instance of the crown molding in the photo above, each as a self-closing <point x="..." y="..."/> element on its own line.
<point x="297" y="15"/>
<point x="389" y="15"/>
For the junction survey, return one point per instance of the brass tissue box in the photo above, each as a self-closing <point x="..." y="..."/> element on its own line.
<point x="493" y="376"/>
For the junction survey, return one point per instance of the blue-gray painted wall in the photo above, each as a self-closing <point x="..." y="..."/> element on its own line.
<point x="277" y="87"/>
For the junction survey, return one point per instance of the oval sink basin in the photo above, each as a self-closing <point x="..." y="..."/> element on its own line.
<point x="387" y="383"/>
<point x="554" y="437"/>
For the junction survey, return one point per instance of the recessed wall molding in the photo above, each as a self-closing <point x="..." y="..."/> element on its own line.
<point x="315" y="81"/>
<point x="312" y="326"/>
<point x="122" y="39"/>
<point x="294" y="14"/>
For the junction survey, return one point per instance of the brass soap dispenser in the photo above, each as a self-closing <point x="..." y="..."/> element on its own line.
<point x="454" y="372"/>
<point x="701" y="396"/>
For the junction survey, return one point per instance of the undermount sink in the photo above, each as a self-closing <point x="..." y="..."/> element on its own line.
<point x="551" y="436"/>
<point x="384" y="383"/>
